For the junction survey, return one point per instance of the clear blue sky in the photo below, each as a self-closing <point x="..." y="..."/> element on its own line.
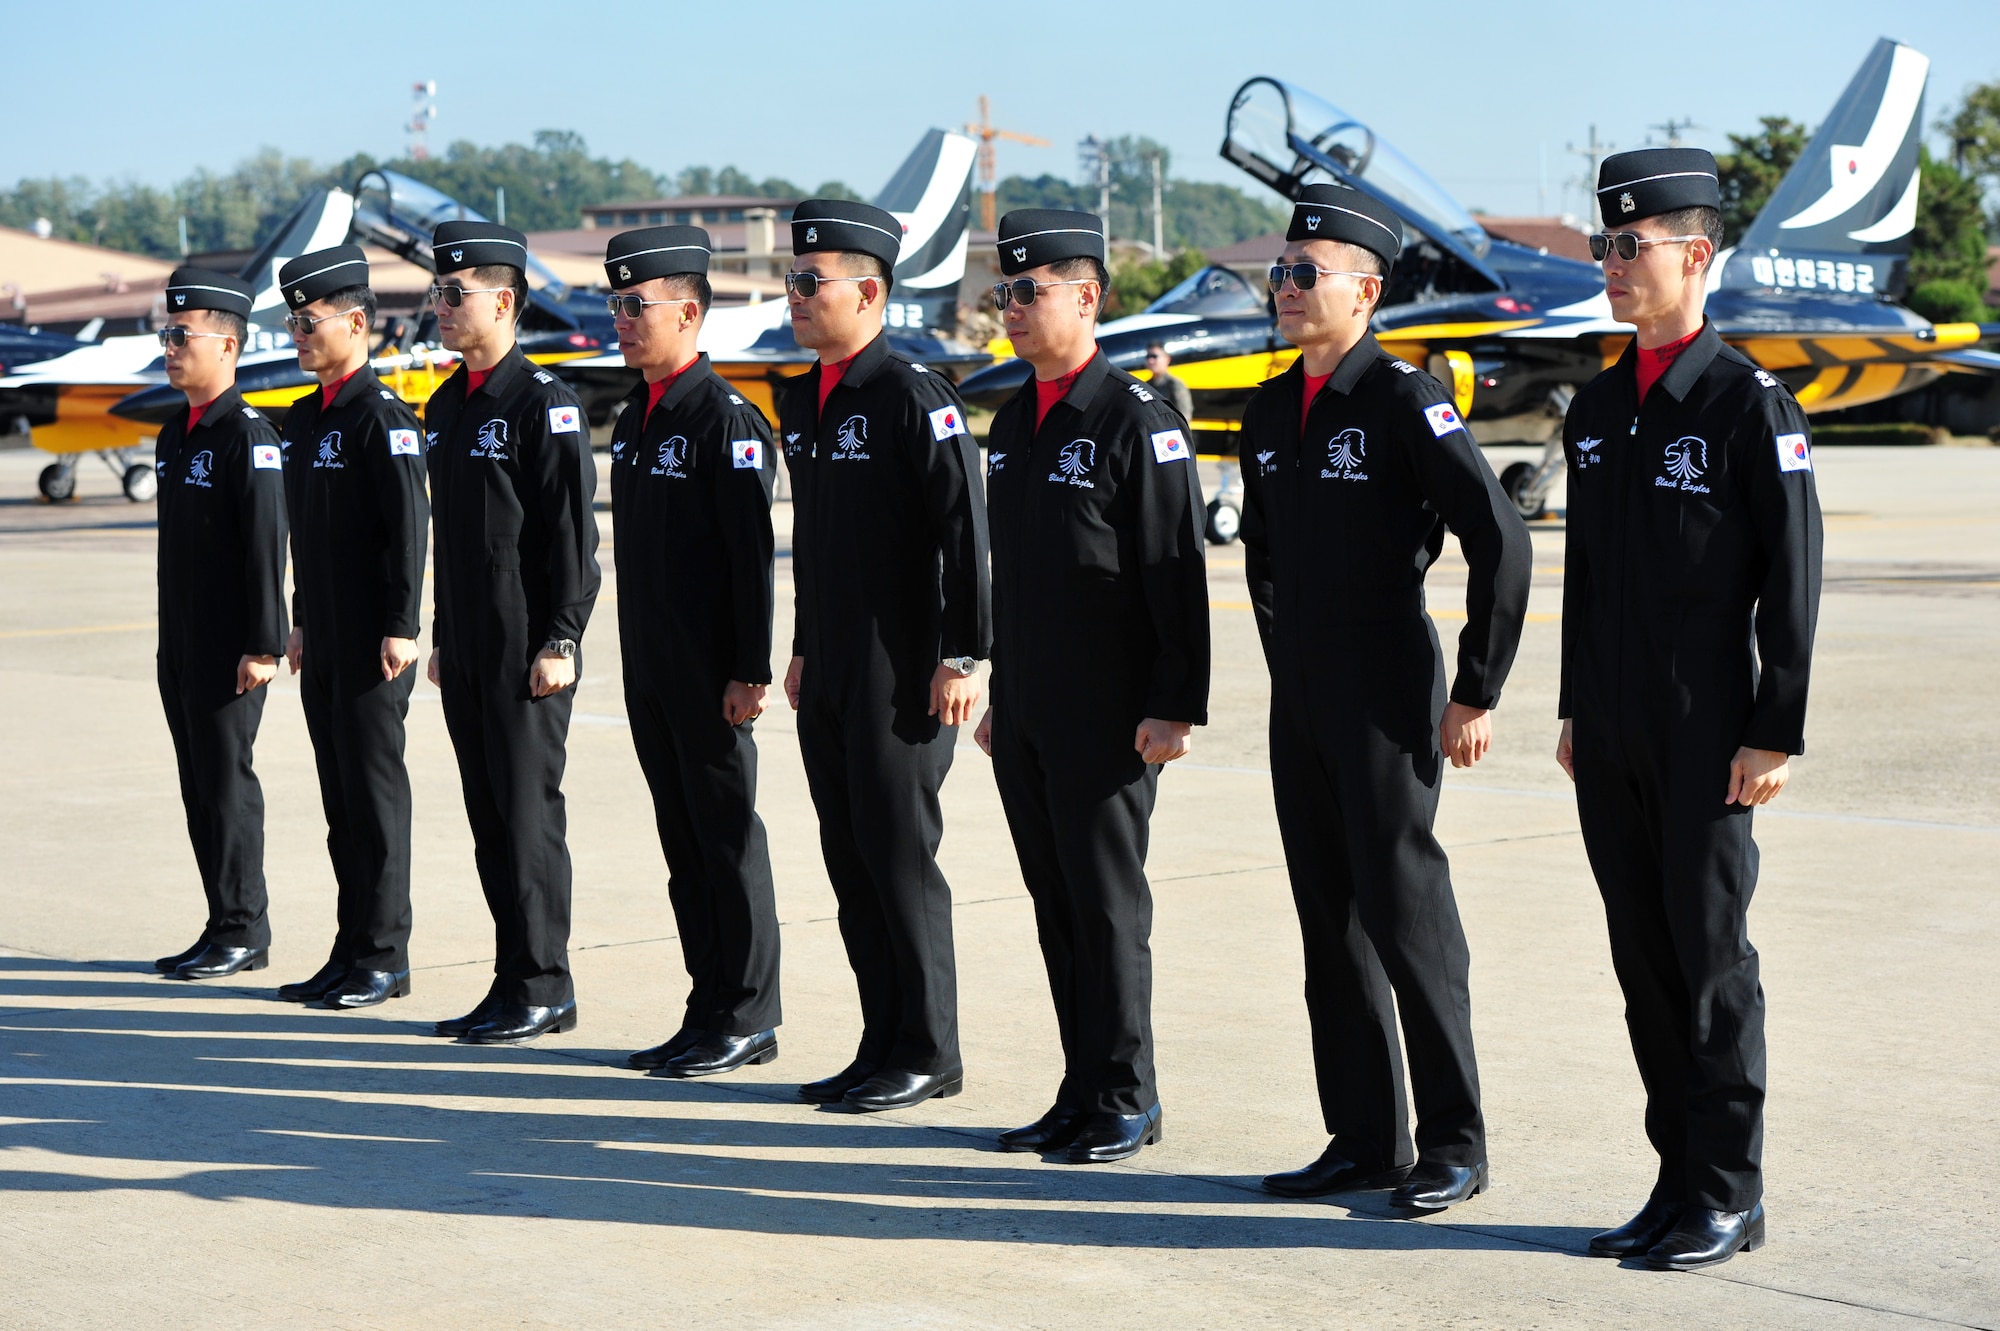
<point x="1476" y="93"/>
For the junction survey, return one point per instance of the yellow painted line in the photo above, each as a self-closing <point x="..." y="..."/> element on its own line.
<point x="86" y="628"/>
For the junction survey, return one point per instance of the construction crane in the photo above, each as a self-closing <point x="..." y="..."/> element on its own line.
<point x="988" y="177"/>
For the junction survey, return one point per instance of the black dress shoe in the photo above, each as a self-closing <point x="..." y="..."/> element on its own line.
<point x="168" y="965"/>
<point x="891" y="1089"/>
<point x="714" y="1053"/>
<point x="213" y="962"/>
<point x="1051" y="1132"/>
<point x="1708" y="1238"/>
<point x="1102" y="1138"/>
<point x="518" y="1023"/>
<point x="662" y="1054"/>
<point x="1656" y="1219"/>
<point x="1334" y="1172"/>
<point x="367" y="988"/>
<point x="1434" y="1187"/>
<point x="829" y="1090"/>
<point x="324" y="981"/>
<point x="456" y="1028"/>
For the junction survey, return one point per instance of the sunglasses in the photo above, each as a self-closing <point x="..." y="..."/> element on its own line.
<point x="632" y="307"/>
<point x="305" y="325"/>
<point x="1628" y="244"/>
<point x="173" y="335"/>
<point x="1306" y="276"/>
<point x="454" y="295"/>
<point x="806" y="285"/>
<point x="1021" y="291"/>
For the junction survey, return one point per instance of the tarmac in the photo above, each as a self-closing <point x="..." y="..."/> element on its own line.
<point x="182" y="1155"/>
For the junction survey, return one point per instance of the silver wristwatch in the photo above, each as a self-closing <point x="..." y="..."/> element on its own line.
<point x="964" y="665"/>
<point x="563" y="647"/>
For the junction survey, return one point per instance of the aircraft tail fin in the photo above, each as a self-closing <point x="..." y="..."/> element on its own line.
<point x="931" y="194"/>
<point x="320" y="221"/>
<point x="1842" y="218"/>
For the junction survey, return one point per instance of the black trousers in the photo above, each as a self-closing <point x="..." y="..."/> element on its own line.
<point x="1078" y="805"/>
<point x="214" y="730"/>
<point x="874" y="779"/>
<point x="1676" y="868"/>
<point x="703" y="775"/>
<point x="511" y="752"/>
<point x="355" y="719"/>
<point x="1356" y="781"/>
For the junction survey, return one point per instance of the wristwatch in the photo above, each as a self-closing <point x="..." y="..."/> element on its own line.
<point x="563" y="647"/>
<point x="964" y="665"/>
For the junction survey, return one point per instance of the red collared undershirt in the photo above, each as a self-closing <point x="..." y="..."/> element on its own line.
<point x="331" y="391"/>
<point x="1658" y="360"/>
<point x="194" y="413"/>
<point x="658" y="389"/>
<point x="473" y="379"/>
<point x="1314" y="382"/>
<point x="829" y="376"/>
<point x="1049" y="392"/>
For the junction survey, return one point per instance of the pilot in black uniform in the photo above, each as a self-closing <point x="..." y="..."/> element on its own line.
<point x="512" y="480"/>
<point x="354" y="488"/>
<point x="1690" y="594"/>
<point x="1100" y="667"/>
<point x="691" y="469"/>
<point x="1355" y="464"/>
<point x="894" y="610"/>
<point x="222" y="610"/>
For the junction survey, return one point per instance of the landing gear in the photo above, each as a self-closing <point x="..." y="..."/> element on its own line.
<point x="1527" y="484"/>
<point x="1225" y="511"/>
<point x="58" y="481"/>
<point x="138" y="479"/>
<point x="141" y="484"/>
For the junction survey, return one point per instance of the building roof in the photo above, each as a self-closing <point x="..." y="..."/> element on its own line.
<point x="31" y="266"/>
<point x="1548" y="234"/>
<point x="683" y="210"/>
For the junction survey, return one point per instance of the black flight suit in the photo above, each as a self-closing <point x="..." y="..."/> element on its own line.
<point x="222" y="597"/>
<point x="513" y="481"/>
<point x="691" y="504"/>
<point x="889" y="556"/>
<point x="1690" y="594"/>
<point x="1100" y="611"/>
<point x="1339" y="529"/>
<point x="354" y="485"/>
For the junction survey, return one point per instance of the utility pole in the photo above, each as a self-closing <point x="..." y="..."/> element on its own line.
<point x="989" y="182"/>
<point x="1592" y="154"/>
<point x="1094" y="161"/>
<point x="422" y="112"/>
<point x="1674" y="129"/>
<point x="500" y="204"/>
<point x="1159" y="229"/>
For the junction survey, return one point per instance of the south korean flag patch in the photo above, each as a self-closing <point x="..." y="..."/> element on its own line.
<point x="1794" y="453"/>
<point x="403" y="443"/>
<point x="1443" y="419"/>
<point x="1170" y="446"/>
<point x="565" y="420"/>
<point x="266" y="457"/>
<point x="946" y="422"/>
<point x="746" y="454"/>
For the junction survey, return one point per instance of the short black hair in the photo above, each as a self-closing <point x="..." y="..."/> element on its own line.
<point x="230" y="322"/>
<point x="1080" y="267"/>
<point x="690" y="286"/>
<point x="354" y="298"/>
<point x="1697" y="221"/>
<point x="867" y="265"/>
<point x="1362" y="259"/>
<point x="505" y="275"/>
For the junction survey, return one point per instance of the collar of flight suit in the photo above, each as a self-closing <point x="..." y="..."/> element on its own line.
<point x="231" y="399"/>
<point x="1689" y="366"/>
<point x="361" y="381"/>
<point x="501" y="377"/>
<point x="866" y="361"/>
<point x="1082" y="390"/>
<point x="677" y="392"/>
<point x="1352" y="366"/>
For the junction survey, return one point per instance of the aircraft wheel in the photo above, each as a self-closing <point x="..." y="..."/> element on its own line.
<point x="1225" y="520"/>
<point x="57" y="483"/>
<point x="1515" y="481"/>
<point x="142" y="483"/>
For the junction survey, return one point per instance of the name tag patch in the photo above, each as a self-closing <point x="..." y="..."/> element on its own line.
<point x="266" y="457"/>
<point x="747" y="454"/>
<point x="1443" y="419"/>
<point x="946" y="422"/>
<point x="1794" y="453"/>
<point x="564" y="420"/>
<point x="403" y="443"/>
<point x="1170" y="446"/>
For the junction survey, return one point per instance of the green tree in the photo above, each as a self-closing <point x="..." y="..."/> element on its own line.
<point x="1135" y="284"/>
<point x="1974" y="129"/>
<point x="1751" y="171"/>
<point x="1948" y="249"/>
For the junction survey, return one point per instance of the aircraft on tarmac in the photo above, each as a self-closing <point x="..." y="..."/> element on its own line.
<point x="1809" y="292"/>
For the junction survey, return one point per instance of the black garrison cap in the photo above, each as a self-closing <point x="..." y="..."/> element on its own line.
<point x="1031" y="237"/>
<point x="841" y="224"/>
<point x="456" y="245"/>
<point x="632" y="257"/>
<point x="321" y="273"/>
<point x="1335" y="212"/>
<point x="206" y="289"/>
<point x="1647" y="181"/>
